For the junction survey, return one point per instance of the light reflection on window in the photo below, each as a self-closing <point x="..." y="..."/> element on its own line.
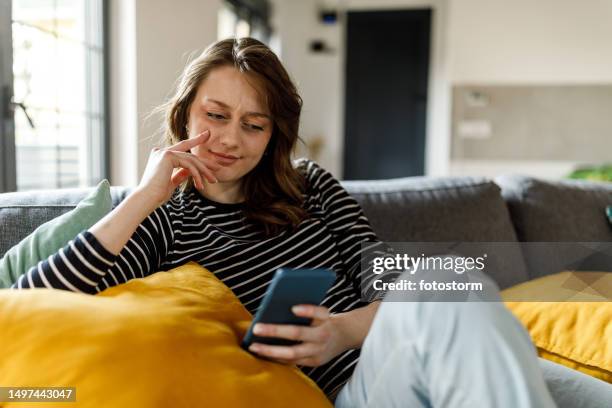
<point x="58" y="76"/>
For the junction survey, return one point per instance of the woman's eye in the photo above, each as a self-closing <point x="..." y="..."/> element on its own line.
<point x="215" y="116"/>
<point x="255" y="127"/>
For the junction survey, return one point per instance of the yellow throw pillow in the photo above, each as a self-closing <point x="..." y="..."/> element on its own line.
<point x="168" y="340"/>
<point x="576" y="333"/>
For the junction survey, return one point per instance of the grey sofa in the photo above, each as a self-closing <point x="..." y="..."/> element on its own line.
<point x="422" y="209"/>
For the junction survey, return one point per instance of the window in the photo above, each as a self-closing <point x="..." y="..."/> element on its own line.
<point x="53" y="77"/>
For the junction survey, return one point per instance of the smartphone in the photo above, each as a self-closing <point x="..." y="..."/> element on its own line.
<point x="288" y="288"/>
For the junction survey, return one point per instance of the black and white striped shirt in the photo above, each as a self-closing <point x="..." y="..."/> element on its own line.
<point x="189" y="227"/>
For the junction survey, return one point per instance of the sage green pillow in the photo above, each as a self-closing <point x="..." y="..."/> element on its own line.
<point x="48" y="238"/>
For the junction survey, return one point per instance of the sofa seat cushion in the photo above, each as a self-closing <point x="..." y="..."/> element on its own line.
<point x="170" y="339"/>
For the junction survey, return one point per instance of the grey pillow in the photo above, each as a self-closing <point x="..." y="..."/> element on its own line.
<point x="563" y="211"/>
<point x="445" y="209"/>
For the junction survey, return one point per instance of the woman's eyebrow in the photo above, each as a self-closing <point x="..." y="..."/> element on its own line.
<point x="226" y="106"/>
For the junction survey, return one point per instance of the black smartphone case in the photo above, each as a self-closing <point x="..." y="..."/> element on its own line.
<point x="289" y="287"/>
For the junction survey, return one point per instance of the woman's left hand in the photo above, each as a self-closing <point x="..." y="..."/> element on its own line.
<point x="321" y="341"/>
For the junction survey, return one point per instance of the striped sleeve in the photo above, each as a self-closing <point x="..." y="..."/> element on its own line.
<point x="84" y="265"/>
<point x="356" y="240"/>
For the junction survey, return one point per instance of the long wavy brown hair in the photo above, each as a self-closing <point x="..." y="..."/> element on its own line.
<point x="273" y="189"/>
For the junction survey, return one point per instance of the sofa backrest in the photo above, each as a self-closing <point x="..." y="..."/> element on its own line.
<point x="434" y="209"/>
<point x="22" y="212"/>
<point x="413" y="209"/>
<point x="403" y="209"/>
<point x="446" y="210"/>
<point x="557" y="212"/>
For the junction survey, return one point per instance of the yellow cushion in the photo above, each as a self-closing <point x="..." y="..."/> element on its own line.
<point x="168" y="340"/>
<point x="576" y="329"/>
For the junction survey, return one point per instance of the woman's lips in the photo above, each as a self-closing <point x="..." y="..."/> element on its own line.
<point x="224" y="159"/>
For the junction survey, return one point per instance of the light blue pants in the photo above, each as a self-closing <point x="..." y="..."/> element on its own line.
<point x="446" y="354"/>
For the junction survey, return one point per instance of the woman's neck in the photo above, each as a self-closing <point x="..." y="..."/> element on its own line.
<point x="223" y="192"/>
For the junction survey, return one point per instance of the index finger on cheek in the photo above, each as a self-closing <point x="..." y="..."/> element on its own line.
<point x="211" y="138"/>
<point x="203" y="137"/>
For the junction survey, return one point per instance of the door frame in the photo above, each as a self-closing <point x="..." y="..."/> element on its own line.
<point x="8" y="176"/>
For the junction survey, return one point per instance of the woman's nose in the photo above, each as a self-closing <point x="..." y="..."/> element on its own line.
<point x="229" y="137"/>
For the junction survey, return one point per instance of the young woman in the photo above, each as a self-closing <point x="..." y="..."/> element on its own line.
<point x="225" y="193"/>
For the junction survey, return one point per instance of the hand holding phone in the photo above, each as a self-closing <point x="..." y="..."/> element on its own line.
<point x="288" y="288"/>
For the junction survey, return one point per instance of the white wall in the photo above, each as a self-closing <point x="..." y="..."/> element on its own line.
<point x="123" y="108"/>
<point x="530" y="41"/>
<point x="151" y="42"/>
<point x="317" y="76"/>
<point x="320" y="77"/>
<point x="473" y="41"/>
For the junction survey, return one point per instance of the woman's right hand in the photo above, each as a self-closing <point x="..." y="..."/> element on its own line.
<point x="167" y="168"/>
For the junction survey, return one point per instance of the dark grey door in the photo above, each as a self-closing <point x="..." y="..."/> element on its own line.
<point x="387" y="67"/>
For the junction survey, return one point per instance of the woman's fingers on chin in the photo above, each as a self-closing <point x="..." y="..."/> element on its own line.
<point x="208" y="174"/>
<point x="210" y="163"/>
<point x="210" y="178"/>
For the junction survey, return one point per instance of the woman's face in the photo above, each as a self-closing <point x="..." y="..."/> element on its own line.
<point x="238" y="119"/>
